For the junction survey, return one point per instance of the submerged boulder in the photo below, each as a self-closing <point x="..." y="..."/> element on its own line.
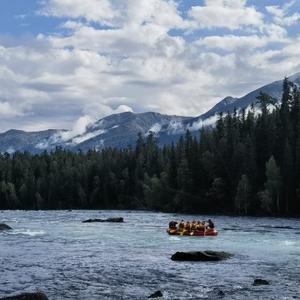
<point x="111" y="220"/>
<point x="4" y="227"/>
<point x="279" y="227"/>
<point x="216" y="293"/>
<point x="27" y="296"/>
<point x="157" y="294"/>
<point x="259" y="281"/>
<point x="201" y="256"/>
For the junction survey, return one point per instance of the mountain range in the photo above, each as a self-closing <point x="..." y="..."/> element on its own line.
<point x="121" y="130"/>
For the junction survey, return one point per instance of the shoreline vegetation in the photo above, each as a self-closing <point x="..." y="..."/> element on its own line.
<point x="248" y="164"/>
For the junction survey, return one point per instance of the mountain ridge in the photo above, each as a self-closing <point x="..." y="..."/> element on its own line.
<point x="120" y="130"/>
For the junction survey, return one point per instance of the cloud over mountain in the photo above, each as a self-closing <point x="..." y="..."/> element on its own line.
<point x="109" y="56"/>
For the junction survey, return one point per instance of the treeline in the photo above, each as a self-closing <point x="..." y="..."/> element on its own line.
<point x="248" y="163"/>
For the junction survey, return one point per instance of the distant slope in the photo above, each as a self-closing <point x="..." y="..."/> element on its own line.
<point x="118" y="130"/>
<point x="18" y="140"/>
<point x="121" y="130"/>
<point x="228" y="104"/>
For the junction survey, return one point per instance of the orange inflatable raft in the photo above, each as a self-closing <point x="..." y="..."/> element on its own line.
<point x="207" y="232"/>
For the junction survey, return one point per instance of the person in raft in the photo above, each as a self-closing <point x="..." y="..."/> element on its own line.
<point x="181" y="226"/>
<point x="173" y="225"/>
<point x="187" y="226"/>
<point x="211" y="225"/>
<point x="200" y="226"/>
<point x="193" y="226"/>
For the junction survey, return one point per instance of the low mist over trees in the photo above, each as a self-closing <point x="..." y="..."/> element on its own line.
<point x="247" y="164"/>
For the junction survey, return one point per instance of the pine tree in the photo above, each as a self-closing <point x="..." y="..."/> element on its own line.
<point x="264" y="101"/>
<point x="243" y="194"/>
<point x="273" y="183"/>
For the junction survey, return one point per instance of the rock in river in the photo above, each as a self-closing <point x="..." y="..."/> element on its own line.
<point x="157" y="294"/>
<point x="201" y="256"/>
<point x="259" y="281"/>
<point x="112" y="220"/>
<point x="27" y="296"/>
<point x="4" y="227"/>
<point x="216" y="293"/>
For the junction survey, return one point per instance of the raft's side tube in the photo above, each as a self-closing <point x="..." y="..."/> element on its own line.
<point x="210" y="232"/>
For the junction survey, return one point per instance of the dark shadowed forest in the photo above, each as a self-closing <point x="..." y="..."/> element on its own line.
<point x="248" y="164"/>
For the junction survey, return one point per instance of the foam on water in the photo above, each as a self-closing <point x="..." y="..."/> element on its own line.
<point x="290" y="243"/>
<point x="27" y="232"/>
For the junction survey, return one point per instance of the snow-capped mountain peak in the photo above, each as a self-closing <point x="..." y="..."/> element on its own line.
<point x="121" y="130"/>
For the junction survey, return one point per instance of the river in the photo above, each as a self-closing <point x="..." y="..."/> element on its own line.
<point x="54" y="252"/>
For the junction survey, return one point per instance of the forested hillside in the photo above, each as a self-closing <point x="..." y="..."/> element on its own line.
<point x="248" y="163"/>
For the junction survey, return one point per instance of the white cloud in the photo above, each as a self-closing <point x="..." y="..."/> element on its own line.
<point x="8" y="111"/>
<point x="275" y="32"/>
<point x="100" y="11"/>
<point x="230" y="14"/>
<point x="203" y="123"/>
<point x="117" y="14"/>
<point x="233" y="42"/>
<point x="97" y="110"/>
<point x="79" y="128"/>
<point x="136" y="62"/>
<point x="79" y="132"/>
<point x="281" y="14"/>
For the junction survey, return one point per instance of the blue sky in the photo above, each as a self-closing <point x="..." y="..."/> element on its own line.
<point x="21" y="18"/>
<point x="66" y="63"/>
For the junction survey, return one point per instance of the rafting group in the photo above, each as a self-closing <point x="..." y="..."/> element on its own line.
<point x="195" y="228"/>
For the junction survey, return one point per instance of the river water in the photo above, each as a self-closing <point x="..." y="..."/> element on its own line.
<point x="55" y="253"/>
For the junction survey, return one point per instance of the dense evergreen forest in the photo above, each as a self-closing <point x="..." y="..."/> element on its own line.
<point x="248" y="163"/>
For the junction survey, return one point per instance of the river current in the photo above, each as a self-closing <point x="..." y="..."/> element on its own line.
<point x="54" y="252"/>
